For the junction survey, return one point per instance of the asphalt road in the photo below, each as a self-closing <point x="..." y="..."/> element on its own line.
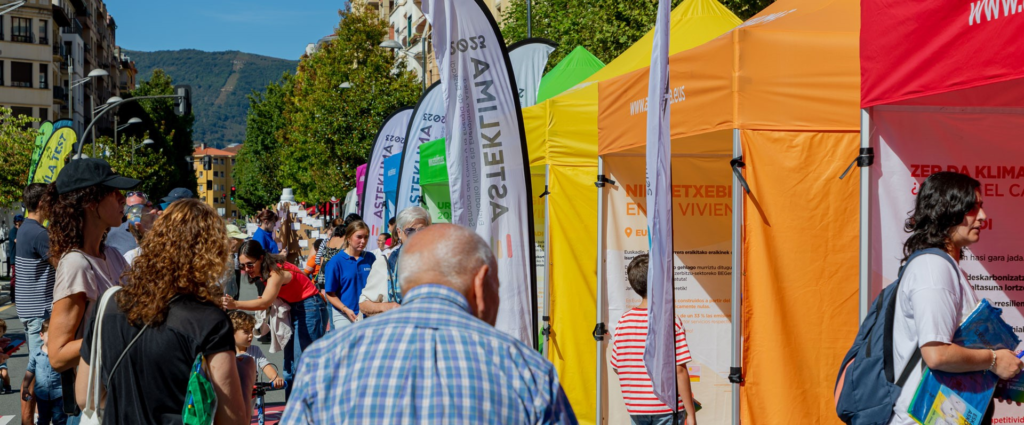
<point x="10" y="404"/>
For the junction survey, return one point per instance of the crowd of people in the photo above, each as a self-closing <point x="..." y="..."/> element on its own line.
<point x="132" y="308"/>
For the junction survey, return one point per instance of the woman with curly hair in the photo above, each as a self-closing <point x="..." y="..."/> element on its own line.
<point x="83" y="204"/>
<point x="164" y="317"/>
<point x="286" y="281"/>
<point x="934" y="296"/>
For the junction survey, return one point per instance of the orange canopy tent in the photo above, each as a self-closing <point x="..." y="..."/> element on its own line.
<point x="781" y="94"/>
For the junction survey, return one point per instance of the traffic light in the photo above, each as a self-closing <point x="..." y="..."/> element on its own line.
<point x="183" y="103"/>
<point x="232" y="194"/>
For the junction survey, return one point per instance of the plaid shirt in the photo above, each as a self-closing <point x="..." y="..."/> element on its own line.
<point x="429" y="361"/>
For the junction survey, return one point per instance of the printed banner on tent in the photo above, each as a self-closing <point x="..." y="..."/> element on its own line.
<point x="701" y="230"/>
<point x="55" y="152"/>
<point x="391" y="166"/>
<point x="486" y="150"/>
<point x="529" y="57"/>
<point x="913" y="144"/>
<point x="434" y="181"/>
<point x="426" y="124"/>
<point x="389" y="141"/>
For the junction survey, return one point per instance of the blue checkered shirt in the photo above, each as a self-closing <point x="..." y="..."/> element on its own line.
<point x="430" y="362"/>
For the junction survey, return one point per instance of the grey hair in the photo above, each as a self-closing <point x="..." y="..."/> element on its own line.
<point x="450" y="258"/>
<point x="407" y="216"/>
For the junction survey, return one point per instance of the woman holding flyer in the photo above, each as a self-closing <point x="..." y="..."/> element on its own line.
<point x="934" y="295"/>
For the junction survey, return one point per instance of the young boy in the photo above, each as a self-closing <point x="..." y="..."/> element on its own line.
<point x="243" y="324"/>
<point x="48" y="392"/>
<point x="628" y="361"/>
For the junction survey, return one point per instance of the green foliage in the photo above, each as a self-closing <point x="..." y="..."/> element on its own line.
<point x="17" y="141"/>
<point x="331" y="130"/>
<point x="172" y="134"/>
<point x="220" y="84"/>
<point x="604" y="27"/>
<point x="148" y="164"/>
<point x="256" y="171"/>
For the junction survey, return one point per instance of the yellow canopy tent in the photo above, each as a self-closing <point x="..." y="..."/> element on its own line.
<point x="767" y="91"/>
<point x="561" y="134"/>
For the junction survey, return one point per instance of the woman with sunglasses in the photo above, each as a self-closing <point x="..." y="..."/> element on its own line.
<point x="286" y="281"/>
<point x="83" y="205"/>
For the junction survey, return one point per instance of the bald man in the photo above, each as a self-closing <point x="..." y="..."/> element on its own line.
<point x="438" y="358"/>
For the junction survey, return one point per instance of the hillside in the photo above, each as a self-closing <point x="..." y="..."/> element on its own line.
<point x="220" y="82"/>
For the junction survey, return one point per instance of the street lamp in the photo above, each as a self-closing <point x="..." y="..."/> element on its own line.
<point x="109" y="104"/>
<point x="131" y="121"/>
<point x="144" y="143"/>
<point x="11" y="6"/>
<point x="398" y="47"/>
<point x="71" y="87"/>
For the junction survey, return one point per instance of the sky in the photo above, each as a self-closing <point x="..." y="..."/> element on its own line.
<point x="279" y="29"/>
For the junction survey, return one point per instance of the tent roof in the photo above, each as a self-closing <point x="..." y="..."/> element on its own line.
<point x="793" y="67"/>
<point x="694" y="22"/>
<point x="570" y="71"/>
<point x="951" y="49"/>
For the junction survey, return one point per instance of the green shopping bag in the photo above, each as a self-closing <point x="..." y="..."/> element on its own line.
<point x="200" y="399"/>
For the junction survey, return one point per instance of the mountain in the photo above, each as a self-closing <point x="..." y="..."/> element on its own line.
<point x="220" y="82"/>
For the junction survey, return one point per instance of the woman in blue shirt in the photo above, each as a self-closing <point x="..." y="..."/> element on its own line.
<point x="345" y="275"/>
<point x="264" y="234"/>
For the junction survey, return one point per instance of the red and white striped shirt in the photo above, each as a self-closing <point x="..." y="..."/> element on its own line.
<point x="628" y="359"/>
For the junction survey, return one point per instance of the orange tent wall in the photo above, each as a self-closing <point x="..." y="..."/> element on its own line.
<point x="800" y="286"/>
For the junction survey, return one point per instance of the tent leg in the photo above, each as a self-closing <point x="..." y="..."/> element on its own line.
<point x="865" y="219"/>
<point x="600" y="295"/>
<point x="547" y="260"/>
<point x="737" y="280"/>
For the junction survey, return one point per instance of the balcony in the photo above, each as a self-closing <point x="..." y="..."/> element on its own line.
<point x="23" y="38"/>
<point x="60" y="94"/>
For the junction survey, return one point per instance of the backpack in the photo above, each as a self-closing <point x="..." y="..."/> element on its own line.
<point x="866" y="388"/>
<point x="200" y="398"/>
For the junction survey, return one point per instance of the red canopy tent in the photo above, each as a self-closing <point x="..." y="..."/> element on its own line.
<point x="942" y="89"/>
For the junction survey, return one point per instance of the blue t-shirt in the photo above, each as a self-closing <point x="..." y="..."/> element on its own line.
<point x="266" y="240"/>
<point x="47" y="380"/>
<point x="345" y="276"/>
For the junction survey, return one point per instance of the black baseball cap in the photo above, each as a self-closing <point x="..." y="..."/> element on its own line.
<point x="88" y="172"/>
<point x="176" y="194"/>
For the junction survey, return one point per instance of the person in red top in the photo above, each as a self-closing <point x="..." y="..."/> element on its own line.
<point x="628" y="361"/>
<point x="286" y="281"/>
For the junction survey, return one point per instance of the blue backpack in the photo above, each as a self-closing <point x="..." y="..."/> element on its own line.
<point x="866" y="388"/>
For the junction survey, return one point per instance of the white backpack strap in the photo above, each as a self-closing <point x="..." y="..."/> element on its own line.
<point x="92" y="397"/>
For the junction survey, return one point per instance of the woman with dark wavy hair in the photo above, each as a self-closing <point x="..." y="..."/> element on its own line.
<point x="934" y="296"/>
<point x="169" y="307"/>
<point x="82" y="205"/>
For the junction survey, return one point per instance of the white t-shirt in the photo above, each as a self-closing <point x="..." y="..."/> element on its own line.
<point x="376" y="289"/>
<point x="933" y="299"/>
<point x="78" y="272"/>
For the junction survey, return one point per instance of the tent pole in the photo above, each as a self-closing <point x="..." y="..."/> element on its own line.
<point x="737" y="279"/>
<point x="865" y="218"/>
<point x="600" y="294"/>
<point x="547" y="260"/>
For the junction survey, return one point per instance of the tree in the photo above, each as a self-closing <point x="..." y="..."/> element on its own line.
<point x="171" y="134"/>
<point x="256" y="170"/>
<point x="17" y="141"/>
<point x="331" y="130"/>
<point x="604" y="27"/>
<point x="149" y="165"/>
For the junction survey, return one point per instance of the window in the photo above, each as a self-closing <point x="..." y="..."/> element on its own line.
<point x="1" y="67"/>
<point x="43" y="38"/>
<point x="21" y="110"/>
<point x="200" y="173"/>
<point x="202" y="188"/>
<point x="232" y="161"/>
<point x="44" y="114"/>
<point x="44" y="76"/>
<point x="21" y="74"/>
<point x="21" y="30"/>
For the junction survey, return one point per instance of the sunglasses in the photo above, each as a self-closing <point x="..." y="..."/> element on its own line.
<point x="249" y="265"/>
<point x="410" y="230"/>
<point x="142" y="195"/>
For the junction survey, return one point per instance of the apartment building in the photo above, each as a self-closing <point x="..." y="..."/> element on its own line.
<point x="97" y="34"/>
<point x="31" y="59"/>
<point x="127" y="72"/>
<point x="215" y="185"/>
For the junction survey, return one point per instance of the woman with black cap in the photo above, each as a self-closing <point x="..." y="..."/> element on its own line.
<point x="83" y="204"/>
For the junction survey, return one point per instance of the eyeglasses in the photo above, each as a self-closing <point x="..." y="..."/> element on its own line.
<point x="142" y="195"/>
<point x="249" y="265"/>
<point x="410" y="230"/>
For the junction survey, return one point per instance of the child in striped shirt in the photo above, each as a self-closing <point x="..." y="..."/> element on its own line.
<point x="628" y="361"/>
